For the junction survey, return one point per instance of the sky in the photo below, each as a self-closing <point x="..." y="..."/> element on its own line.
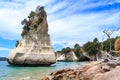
<point x="70" y="21"/>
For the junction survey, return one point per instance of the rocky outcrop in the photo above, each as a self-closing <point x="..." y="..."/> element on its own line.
<point x="70" y="56"/>
<point x="106" y="70"/>
<point x="84" y="57"/>
<point x="35" y="46"/>
<point x="58" y="54"/>
<point x="61" y="58"/>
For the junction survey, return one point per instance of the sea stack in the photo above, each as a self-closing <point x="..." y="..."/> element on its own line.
<point x="34" y="49"/>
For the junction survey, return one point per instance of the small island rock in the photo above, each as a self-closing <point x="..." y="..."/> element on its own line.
<point x="34" y="48"/>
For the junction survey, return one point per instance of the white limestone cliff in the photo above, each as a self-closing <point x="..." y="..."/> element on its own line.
<point x="35" y="46"/>
<point x="70" y="56"/>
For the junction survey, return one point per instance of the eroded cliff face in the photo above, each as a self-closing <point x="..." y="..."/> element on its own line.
<point x="35" y="46"/>
<point x="70" y="56"/>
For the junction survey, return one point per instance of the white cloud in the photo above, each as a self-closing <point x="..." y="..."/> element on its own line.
<point x="5" y="49"/>
<point x="65" y="26"/>
<point x="82" y="27"/>
<point x="56" y="8"/>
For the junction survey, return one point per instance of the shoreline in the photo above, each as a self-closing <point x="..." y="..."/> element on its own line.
<point x="10" y="72"/>
<point x="95" y="70"/>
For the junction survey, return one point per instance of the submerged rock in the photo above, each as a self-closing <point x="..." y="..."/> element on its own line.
<point x="35" y="46"/>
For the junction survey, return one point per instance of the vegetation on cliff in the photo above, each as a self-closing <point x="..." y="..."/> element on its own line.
<point x="27" y="23"/>
<point x="77" y="50"/>
<point x="32" y="14"/>
<point x="93" y="47"/>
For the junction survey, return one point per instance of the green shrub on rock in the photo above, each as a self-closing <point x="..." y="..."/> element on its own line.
<point x="32" y="14"/>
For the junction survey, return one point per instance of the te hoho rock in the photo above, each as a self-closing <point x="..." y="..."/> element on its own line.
<point x="34" y="49"/>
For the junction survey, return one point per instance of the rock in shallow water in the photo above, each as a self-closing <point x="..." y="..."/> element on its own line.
<point x="34" y="48"/>
<point x="91" y="71"/>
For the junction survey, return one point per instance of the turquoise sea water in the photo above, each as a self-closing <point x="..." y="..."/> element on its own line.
<point x="8" y="72"/>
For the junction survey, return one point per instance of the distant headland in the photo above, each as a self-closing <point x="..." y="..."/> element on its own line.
<point x="3" y="59"/>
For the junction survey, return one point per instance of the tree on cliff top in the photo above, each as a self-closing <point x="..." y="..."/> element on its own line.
<point x="92" y="48"/>
<point x="65" y="50"/>
<point x="77" y="50"/>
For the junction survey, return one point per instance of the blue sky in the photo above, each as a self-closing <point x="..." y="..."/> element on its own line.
<point x="70" y="21"/>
